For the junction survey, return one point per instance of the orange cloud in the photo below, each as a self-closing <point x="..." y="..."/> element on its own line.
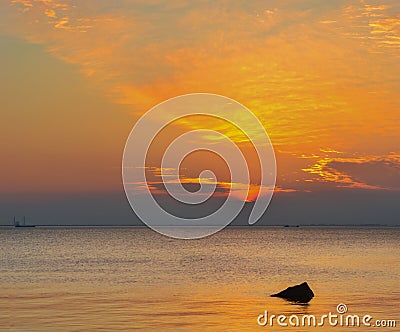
<point x="362" y="172"/>
<point x="223" y="188"/>
<point x="317" y="76"/>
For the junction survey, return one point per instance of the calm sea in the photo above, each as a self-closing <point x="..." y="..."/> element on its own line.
<point x="110" y="279"/>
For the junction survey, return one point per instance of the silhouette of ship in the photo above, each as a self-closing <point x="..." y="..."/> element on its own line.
<point x="21" y="224"/>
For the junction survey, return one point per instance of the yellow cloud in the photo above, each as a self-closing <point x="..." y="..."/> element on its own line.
<point x="327" y="170"/>
<point x="50" y="13"/>
<point x="326" y="77"/>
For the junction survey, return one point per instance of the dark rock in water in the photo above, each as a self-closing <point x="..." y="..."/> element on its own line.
<point x="300" y="293"/>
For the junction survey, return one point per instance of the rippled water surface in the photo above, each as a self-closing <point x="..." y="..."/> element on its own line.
<point x="88" y="279"/>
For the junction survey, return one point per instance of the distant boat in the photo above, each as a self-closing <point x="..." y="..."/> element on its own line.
<point x="23" y="224"/>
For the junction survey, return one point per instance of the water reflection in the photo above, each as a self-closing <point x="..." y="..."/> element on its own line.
<point x="123" y="279"/>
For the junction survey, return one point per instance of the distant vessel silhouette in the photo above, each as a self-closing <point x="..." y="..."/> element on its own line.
<point x="23" y="224"/>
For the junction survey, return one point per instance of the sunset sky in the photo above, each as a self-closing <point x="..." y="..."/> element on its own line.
<point x="322" y="76"/>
